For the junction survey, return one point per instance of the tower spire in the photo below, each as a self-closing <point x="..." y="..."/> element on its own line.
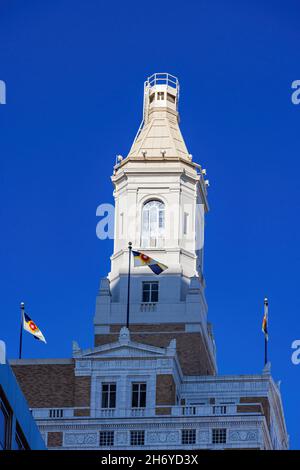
<point x="159" y="132"/>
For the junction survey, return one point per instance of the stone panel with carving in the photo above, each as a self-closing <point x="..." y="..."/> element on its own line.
<point x="203" y="436"/>
<point x="243" y="435"/>
<point x="162" y="437"/>
<point x="122" y="438"/>
<point x="81" y="439"/>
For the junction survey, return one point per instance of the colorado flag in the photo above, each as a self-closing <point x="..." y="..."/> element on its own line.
<point x="32" y="328"/>
<point x="140" y="259"/>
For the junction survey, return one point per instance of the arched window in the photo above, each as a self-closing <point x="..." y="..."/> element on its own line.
<point x="153" y="224"/>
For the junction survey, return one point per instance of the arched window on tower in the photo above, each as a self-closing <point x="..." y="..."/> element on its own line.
<point x="153" y="224"/>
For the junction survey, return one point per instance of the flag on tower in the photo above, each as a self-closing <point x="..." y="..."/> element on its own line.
<point x="140" y="259"/>
<point x="265" y="320"/>
<point x="32" y="328"/>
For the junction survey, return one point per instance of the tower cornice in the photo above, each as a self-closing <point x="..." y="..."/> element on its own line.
<point x="148" y="166"/>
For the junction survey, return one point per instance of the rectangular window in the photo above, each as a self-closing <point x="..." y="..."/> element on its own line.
<point x="160" y="95"/>
<point x="5" y="424"/>
<point x="109" y="391"/>
<point x="139" y="392"/>
<point x="150" y="292"/>
<point x="170" y="98"/>
<point x="188" y="436"/>
<point x="219" y="436"/>
<point x="161" y="218"/>
<point x="137" y="438"/>
<point x="106" y="438"/>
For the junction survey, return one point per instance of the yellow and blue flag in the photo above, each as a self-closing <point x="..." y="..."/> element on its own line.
<point x="32" y="328"/>
<point x="140" y="259"/>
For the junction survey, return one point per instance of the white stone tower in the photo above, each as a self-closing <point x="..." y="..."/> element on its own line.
<point x="153" y="386"/>
<point x="160" y="204"/>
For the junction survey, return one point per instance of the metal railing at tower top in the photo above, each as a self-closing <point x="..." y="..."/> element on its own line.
<point x="156" y="79"/>
<point x="162" y="79"/>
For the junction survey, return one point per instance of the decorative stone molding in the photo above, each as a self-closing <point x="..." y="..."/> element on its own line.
<point x="203" y="436"/>
<point x="83" y="364"/>
<point x="75" y="348"/>
<point x="172" y="347"/>
<point x="162" y="437"/>
<point x="148" y="307"/>
<point x="243" y="435"/>
<point x="267" y="369"/>
<point x="80" y="439"/>
<point x="154" y="424"/>
<point x="121" y="438"/>
<point x="124" y="336"/>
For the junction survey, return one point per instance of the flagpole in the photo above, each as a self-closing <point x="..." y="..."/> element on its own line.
<point x="128" y="291"/>
<point x="21" y="329"/>
<point x="266" y="351"/>
<point x="266" y="335"/>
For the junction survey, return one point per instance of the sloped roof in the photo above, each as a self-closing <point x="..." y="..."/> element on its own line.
<point x="160" y="133"/>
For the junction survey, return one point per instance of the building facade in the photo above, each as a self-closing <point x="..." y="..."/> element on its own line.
<point x="154" y="385"/>
<point x="18" y="430"/>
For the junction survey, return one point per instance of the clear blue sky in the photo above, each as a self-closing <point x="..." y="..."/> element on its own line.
<point x="74" y="72"/>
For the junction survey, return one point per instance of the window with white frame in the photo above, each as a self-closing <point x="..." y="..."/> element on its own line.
<point x="153" y="224"/>
<point x="137" y="438"/>
<point x="139" y="392"/>
<point x="188" y="436"/>
<point x="219" y="436"/>
<point x="108" y="399"/>
<point x="106" y="438"/>
<point x="150" y="292"/>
